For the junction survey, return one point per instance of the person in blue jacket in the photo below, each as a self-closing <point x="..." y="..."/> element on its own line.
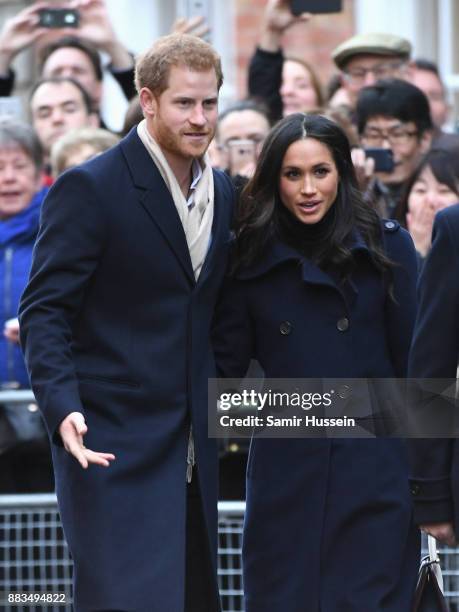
<point x="25" y="466"/>
<point x="435" y="354"/>
<point x="21" y="196"/>
<point x="320" y="288"/>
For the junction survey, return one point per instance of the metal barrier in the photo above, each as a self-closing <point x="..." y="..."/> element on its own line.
<point x="34" y="556"/>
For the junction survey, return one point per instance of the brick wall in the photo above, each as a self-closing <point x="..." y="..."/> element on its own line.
<point x="313" y="41"/>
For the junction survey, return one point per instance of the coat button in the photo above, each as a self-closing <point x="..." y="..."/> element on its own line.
<point x="285" y="328"/>
<point x="389" y="224"/>
<point x="415" y="489"/>
<point x="343" y="324"/>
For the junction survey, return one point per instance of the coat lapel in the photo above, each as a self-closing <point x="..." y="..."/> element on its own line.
<point x="156" y="199"/>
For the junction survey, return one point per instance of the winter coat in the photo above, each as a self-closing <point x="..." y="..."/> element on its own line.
<point x="115" y="326"/>
<point x="329" y="521"/>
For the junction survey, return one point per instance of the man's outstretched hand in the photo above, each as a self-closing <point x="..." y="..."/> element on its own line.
<point x="72" y="429"/>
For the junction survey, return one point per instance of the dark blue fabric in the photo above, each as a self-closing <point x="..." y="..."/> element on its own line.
<point x="17" y="237"/>
<point x="435" y="354"/>
<point x="115" y="326"/>
<point x="329" y="521"/>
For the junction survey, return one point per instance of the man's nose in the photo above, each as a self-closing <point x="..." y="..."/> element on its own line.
<point x="57" y="115"/>
<point x="197" y="116"/>
<point x="385" y="142"/>
<point x="370" y="78"/>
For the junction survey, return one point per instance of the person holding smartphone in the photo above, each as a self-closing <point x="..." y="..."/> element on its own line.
<point x="285" y="84"/>
<point x="393" y="115"/>
<point x="241" y="131"/>
<point x="68" y="48"/>
<point x="320" y="288"/>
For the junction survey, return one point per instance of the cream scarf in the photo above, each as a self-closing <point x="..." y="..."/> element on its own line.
<point x="196" y="219"/>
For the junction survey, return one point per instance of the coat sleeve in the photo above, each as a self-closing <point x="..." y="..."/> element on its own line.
<point x="265" y="79"/>
<point x="125" y="79"/>
<point x="232" y="334"/>
<point x="434" y="354"/>
<point x="69" y="244"/>
<point x="7" y="83"/>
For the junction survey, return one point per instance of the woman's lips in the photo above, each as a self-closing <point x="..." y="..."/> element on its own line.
<point x="310" y="207"/>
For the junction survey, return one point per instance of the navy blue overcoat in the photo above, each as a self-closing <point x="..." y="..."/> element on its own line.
<point x="435" y="354"/>
<point x="329" y="521"/>
<point x="115" y="326"/>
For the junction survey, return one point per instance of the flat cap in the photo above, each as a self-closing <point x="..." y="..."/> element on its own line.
<point x="375" y="44"/>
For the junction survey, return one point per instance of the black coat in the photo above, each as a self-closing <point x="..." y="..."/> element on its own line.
<point x="329" y="521"/>
<point x="434" y="354"/>
<point x="115" y="326"/>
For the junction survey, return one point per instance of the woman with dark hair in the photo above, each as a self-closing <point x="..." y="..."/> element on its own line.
<point x="320" y="288"/>
<point x="433" y="186"/>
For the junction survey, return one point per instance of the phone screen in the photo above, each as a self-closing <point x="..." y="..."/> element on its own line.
<point x="241" y="153"/>
<point x="58" y="18"/>
<point x="315" y="6"/>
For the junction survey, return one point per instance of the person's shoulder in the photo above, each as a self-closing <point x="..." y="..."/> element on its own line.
<point x="223" y="181"/>
<point x="449" y="215"/>
<point x="397" y="240"/>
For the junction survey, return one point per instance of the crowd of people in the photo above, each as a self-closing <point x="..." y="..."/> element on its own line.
<point x="333" y="187"/>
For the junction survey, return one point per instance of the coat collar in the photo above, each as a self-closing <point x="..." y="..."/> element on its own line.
<point x="278" y="253"/>
<point x="156" y="199"/>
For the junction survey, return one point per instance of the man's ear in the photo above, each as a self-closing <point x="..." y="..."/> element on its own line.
<point x="148" y="102"/>
<point x="426" y="141"/>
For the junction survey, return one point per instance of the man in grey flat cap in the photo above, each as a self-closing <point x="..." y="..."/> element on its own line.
<point x="367" y="58"/>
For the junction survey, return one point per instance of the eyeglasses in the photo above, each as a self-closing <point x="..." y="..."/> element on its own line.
<point x="379" y="71"/>
<point x="395" y="136"/>
<point x="257" y="141"/>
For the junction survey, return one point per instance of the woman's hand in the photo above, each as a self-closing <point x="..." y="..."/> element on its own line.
<point x="419" y="222"/>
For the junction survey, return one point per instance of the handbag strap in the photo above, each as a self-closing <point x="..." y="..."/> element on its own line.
<point x="435" y="561"/>
<point x="432" y="545"/>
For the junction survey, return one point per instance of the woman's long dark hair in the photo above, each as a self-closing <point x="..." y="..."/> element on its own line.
<point x="444" y="164"/>
<point x="256" y="218"/>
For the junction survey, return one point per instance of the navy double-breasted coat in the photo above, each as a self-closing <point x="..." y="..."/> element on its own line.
<point x="115" y="326"/>
<point x="435" y="354"/>
<point x="329" y="521"/>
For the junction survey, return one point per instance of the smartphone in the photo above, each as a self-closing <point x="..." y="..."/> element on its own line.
<point x="58" y="18"/>
<point x="240" y="154"/>
<point x="315" y="6"/>
<point x="384" y="159"/>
